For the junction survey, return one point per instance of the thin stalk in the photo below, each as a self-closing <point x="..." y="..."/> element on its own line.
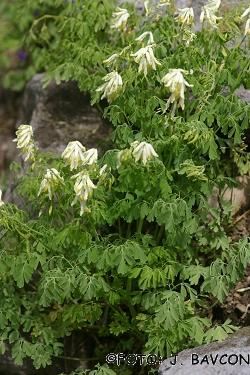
<point x="128" y="230"/>
<point x="156" y="230"/>
<point x="99" y="107"/>
<point x="160" y="233"/>
<point x="139" y="227"/>
<point x="119" y="226"/>
<point x="93" y="228"/>
<point x="170" y="159"/>
<point x="128" y="292"/>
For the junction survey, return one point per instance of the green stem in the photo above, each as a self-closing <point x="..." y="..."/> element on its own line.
<point x="156" y="230"/>
<point x="170" y="159"/>
<point x="93" y="228"/>
<point x="99" y="107"/>
<point x="160" y="233"/>
<point x="119" y="226"/>
<point x="139" y="227"/>
<point x="128" y="292"/>
<point x="128" y="230"/>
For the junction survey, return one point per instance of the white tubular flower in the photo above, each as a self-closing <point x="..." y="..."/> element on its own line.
<point x="207" y="14"/>
<point x="29" y="151"/>
<point x="245" y="13"/>
<point x="142" y="36"/>
<point x="247" y="28"/>
<point x="142" y="151"/>
<point x="147" y="8"/>
<point x="162" y="3"/>
<point x="50" y="182"/>
<point x="145" y="58"/>
<point x="25" y="141"/>
<point x="83" y="188"/>
<point x="102" y="170"/>
<point x="24" y="136"/>
<point x="213" y="4"/>
<point x="90" y="156"/>
<point x="120" y="18"/>
<point x="74" y="154"/>
<point x="111" y="59"/>
<point x="1" y="202"/>
<point x="112" y="87"/>
<point x="186" y="16"/>
<point x="177" y="86"/>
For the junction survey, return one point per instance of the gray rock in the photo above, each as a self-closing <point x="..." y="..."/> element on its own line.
<point x="240" y="195"/>
<point x="60" y="114"/>
<point x="228" y="357"/>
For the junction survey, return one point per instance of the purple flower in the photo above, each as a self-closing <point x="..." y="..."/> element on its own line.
<point x="21" y="55"/>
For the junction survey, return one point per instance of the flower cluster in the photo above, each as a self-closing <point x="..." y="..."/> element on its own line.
<point x="145" y="58"/>
<point x="25" y="140"/>
<point x="74" y="154"/>
<point x="208" y="16"/>
<point x="111" y="87"/>
<point x="247" y="27"/>
<point x="142" y="151"/>
<point x="120" y="18"/>
<point x="162" y="3"/>
<point x="50" y="182"/>
<point x="177" y="86"/>
<point x="83" y="188"/>
<point x="143" y="35"/>
<point x="185" y="16"/>
<point x="111" y="59"/>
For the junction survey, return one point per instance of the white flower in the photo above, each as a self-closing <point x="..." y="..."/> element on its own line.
<point x="1" y="202"/>
<point x="74" y="154"/>
<point x="90" y="156"/>
<point x="142" y="36"/>
<point x="24" y="136"/>
<point x="245" y="13"/>
<point x="111" y="59"/>
<point x="142" y="151"/>
<point x="213" y="4"/>
<point x="83" y="188"/>
<point x="145" y="58"/>
<point x="162" y="3"/>
<point x="120" y="18"/>
<point x="177" y="86"/>
<point x="102" y="170"/>
<point x="207" y="14"/>
<point x="188" y="36"/>
<point x="147" y="8"/>
<point x="112" y="87"/>
<point x="50" y="182"/>
<point x="30" y="151"/>
<point x="25" y="141"/>
<point x="247" y="28"/>
<point x="186" y="16"/>
<point x="123" y="156"/>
